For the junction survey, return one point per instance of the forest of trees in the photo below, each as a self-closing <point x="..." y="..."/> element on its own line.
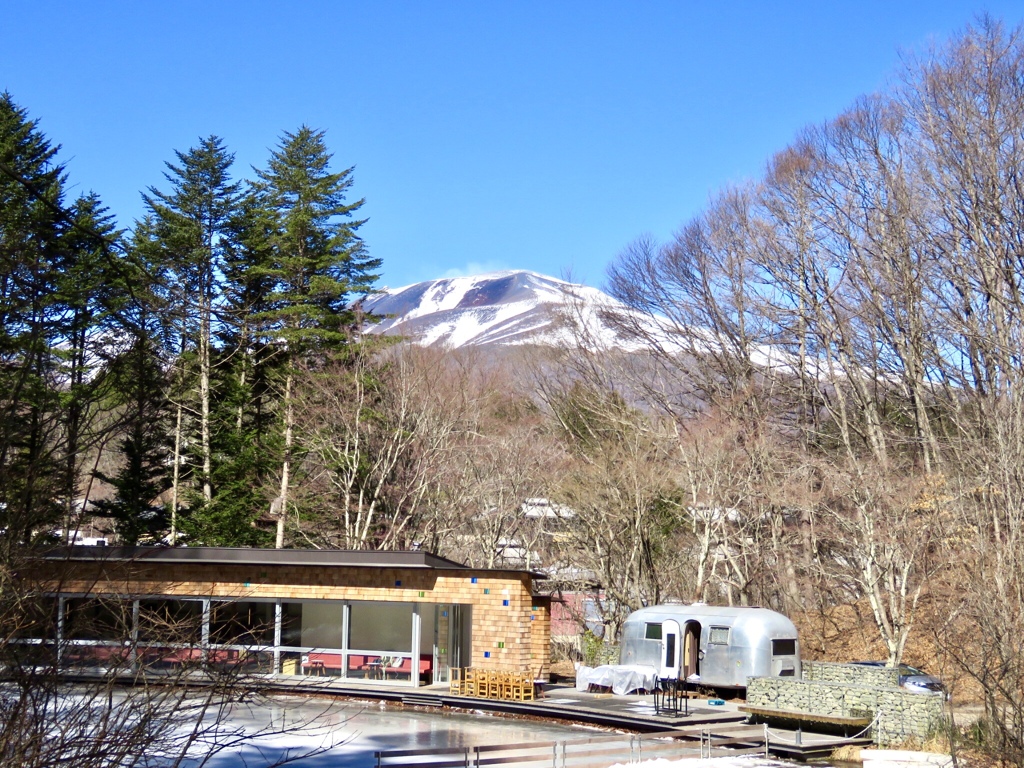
<point x="838" y="358"/>
<point x="148" y="375"/>
<point x="825" y="414"/>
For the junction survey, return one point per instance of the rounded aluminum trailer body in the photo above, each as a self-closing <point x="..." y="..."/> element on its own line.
<point x="735" y="642"/>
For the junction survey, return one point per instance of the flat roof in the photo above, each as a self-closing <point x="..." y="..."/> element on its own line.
<point x="350" y="558"/>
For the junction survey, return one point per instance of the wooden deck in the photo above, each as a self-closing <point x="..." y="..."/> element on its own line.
<point x="717" y="727"/>
<point x="724" y="727"/>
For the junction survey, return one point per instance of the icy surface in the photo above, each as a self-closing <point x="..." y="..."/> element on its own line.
<point x="347" y="733"/>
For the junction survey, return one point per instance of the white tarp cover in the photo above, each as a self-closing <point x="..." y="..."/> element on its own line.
<point x="621" y="678"/>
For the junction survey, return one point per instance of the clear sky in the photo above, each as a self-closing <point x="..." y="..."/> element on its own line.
<point x="485" y="135"/>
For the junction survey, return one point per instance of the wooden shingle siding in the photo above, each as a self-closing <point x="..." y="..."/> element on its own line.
<point x="516" y="636"/>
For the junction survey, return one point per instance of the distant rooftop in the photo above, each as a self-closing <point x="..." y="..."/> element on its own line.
<point x="352" y="558"/>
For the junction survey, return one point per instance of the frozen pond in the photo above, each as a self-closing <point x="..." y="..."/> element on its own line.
<point x="357" y="729"/>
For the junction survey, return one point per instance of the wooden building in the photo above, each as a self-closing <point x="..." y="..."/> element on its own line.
<point x="401" y="617"/>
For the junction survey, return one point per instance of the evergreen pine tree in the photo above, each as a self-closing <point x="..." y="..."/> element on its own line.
<point x="141" y="381"/>
<point x="188" y="231"/>
<point x="318" y="263"/>
<point x="61" y="291"/>
<point x="94" y="298"/>
<point x="245" y="440"/>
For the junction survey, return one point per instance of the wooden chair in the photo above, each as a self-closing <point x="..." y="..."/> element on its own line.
<point x="470" y="681"/>
<point x="515" y="688"/>
<point x="497" y="684"/>
<point x="523" y="688"/>
<point x="509" y="680"/>
<point x="488" y="684"/>
<point x="455" y="681"/>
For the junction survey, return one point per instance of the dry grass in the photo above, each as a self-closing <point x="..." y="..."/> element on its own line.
<point x="847" y="754"/>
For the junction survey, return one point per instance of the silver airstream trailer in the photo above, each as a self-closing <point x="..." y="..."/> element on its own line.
<point x="711" y="645"/>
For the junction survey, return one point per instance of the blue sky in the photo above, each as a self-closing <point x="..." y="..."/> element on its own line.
<point x="485" y="135"/>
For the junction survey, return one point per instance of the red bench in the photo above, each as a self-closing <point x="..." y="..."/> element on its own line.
<point x="317" y="663"/>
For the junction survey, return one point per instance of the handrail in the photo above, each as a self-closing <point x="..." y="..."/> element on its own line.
<point x="614" y="747"/>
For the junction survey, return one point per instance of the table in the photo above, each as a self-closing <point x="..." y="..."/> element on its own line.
<point x="621" y="678"/>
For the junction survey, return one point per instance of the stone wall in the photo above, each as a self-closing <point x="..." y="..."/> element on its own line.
<point x="831" y="672"/>
<point x="900" y="713"/>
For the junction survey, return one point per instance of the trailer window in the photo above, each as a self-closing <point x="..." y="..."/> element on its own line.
<point x="719" y="636"/>
<point x="783" y="647"/>
<point x="653" y="632"/>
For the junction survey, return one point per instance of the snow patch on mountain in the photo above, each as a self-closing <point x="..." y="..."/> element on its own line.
<point x="501" y="308"/>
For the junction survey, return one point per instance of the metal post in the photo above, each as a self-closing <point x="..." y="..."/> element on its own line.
<point x="206" y="623"/>
<point x="278" y="612"/>
<point x="206" y="632"/>
<point x="766" y="740"/>
<point x="417" y="628"/>
<point x="60" y="629"/>
<point x="133" y="653"/>
<point x="346" y="610"/>
<point x="799" y="735"/>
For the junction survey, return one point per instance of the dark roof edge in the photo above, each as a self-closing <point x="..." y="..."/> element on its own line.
<point x="349" y="558"/>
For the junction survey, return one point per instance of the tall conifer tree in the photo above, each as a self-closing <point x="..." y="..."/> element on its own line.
<point x="318" y="264"/>
<point x="189" y="228"/>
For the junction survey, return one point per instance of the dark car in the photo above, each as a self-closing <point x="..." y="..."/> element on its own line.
<point x="913" y="679"/>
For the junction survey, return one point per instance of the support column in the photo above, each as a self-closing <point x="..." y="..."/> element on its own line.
<point x="346" y="618"/>
<point x="133" y="654"/>
<point x="60" y="628"/>
<point x="205" y="638"/>
<point x="417" y="626"/>
<point x="278" y="611"/>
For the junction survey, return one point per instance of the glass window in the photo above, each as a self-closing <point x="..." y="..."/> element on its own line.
<point x="38" y="620"/>
<point x="312" y="624"/>
<point x="381" y="627"/>
<point x="718" y="636"/>
<point x="670" y="651"/>
<point x="171" y="621"/>
<point x="783" y="647"/>
<point x="97" y="619"/>
<point x="652" y="632"/>
<point x="242" y="623"/>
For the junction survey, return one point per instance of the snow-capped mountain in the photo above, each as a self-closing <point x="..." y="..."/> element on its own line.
<point x="500" y="308"/>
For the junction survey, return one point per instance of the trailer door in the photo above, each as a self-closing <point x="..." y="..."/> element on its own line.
<point x="669" y="649"/>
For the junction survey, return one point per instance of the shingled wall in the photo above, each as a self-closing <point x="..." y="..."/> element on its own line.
<point x="508" y="623"/>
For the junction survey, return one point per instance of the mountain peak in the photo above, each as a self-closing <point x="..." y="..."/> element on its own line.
<point x="510" y="307"/>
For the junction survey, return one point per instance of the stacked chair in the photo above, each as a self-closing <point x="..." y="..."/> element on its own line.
<point x="492" y="684"/>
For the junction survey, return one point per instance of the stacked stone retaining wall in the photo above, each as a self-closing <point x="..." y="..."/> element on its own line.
<point x="899" y="714"/>
<point x="831" y="672"/>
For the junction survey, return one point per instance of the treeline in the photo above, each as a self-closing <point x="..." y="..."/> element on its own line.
<point x="158" y="365"/>
<point x="836" y="376"/>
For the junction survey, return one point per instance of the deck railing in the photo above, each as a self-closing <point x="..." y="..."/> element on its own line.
<point x="594" y="752"/>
